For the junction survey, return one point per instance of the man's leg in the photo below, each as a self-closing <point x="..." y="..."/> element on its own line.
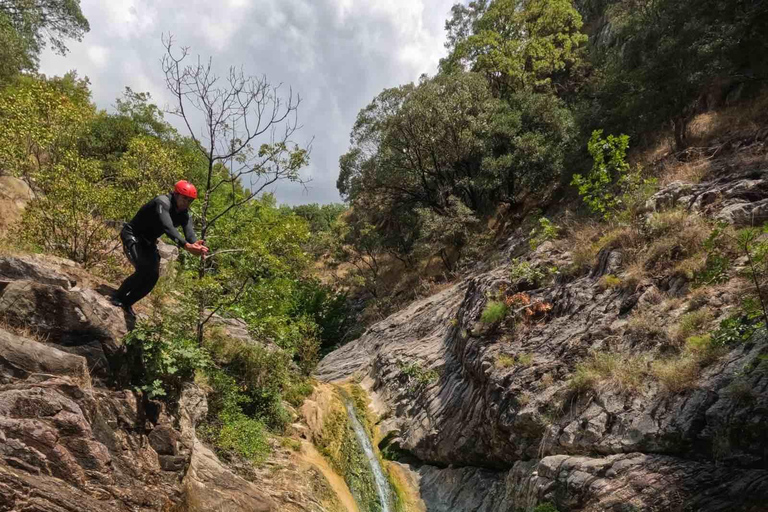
<point x="146" y="275"/>
<point x="131" y="282"/>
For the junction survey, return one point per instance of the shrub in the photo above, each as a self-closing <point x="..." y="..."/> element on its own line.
<point x="244" y="436"/>
<point x="524" y="270"/>
<point x="494" y="312"/>
<point x="525" y="358"/>
<point x="168" y="355"/>
<point x="609" y="164"/>
<point x="418" y="377"/>
<point x="505" y="361"/>
<point x="263" y="376"/>
<point x="703" y="348"/>
<point x="547" y="230"/>
<point x="733" y="330"/>
<point x="545" y="507"/>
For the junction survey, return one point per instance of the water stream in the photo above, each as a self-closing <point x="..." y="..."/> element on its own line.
<point x="382" y="484"/>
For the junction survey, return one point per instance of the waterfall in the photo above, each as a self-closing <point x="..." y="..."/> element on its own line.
<point x="382" y="484"/>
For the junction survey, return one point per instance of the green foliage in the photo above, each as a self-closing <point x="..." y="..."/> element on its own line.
<point x="227" y="427"/>
<point x="444" y="152"/>
<point x="609" y="164"/>
<point x="252" y="377"/>
<point x="734" y="330"/>
<point x="339" y="444"/>
<point x="494" y="312"/>
<point x="524" y="270"/>
<point x="610" y="281"/>
<point x="517" y="44"/>
<point x="545" y="507"/>
<point x="26" y="28"/>
<point x="244" y="436"/>
<point x="320" y="217"/>
<point x="164" y="354"/>
<point x="547" y="230"/>
<point x="692" y="323"/>
<point x="661" y="55"/>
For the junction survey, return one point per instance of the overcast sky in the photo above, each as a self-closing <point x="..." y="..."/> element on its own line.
<point x="338" y="54"/>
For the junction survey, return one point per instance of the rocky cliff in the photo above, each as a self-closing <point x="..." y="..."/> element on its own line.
<point x="490" y="418"/>
<point x="72" y="439"/>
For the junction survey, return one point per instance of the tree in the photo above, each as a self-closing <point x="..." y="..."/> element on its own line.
<point x="517" y="44"/>
<point x="246" y="135"/>
<point x="666" y="54"/>
<point x="31" y="25"/>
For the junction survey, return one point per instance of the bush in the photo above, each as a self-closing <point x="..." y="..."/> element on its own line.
<point x="167" y="353"/>
<point x="734" y="330"/>
<point x="417" y="376"/>
<point x="524" y="270"/>
<point x="494" y="312"/>
<point x="677" y="374"/>
<point x="545" y="507"/>
<point x="244" y="436"/>
<point x="609" y="164"/>
<point x="547" y="230"/>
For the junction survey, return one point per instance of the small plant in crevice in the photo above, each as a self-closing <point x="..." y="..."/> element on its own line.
<point x="508" y="361"/>
<point x="417" y="376"/>
<point x="609" y="281"/>
<point x="547" y="230"/>
<point x="545" y="507"/>
<point x="495" y="311"/>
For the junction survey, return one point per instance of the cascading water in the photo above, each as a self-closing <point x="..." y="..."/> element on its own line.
<point x="382" y="484"/>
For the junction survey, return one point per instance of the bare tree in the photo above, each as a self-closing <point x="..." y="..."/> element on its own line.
<point x="247" y="129"/>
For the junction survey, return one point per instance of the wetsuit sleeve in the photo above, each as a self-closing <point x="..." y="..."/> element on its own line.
<point x="189" y="230"/>
<point x="165" y="220"/>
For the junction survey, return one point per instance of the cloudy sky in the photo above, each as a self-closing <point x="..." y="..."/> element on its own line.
<point x="338" y="54"/>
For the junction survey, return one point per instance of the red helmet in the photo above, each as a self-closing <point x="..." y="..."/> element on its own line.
<point x="185" y="189"/>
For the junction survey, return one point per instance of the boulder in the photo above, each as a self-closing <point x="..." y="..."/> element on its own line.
<point x="209" y="485"/>
<point x="79" y="321"/>
<point x="22" y="357"/>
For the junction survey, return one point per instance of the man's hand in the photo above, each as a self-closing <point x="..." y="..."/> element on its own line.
<point x="198" y="248"/>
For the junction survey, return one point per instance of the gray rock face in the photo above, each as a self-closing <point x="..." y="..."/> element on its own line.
<point x="517" y="434"/>
<point x="740" y="200"/>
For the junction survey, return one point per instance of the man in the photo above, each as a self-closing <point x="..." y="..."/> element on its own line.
<point x="139" y="237"/>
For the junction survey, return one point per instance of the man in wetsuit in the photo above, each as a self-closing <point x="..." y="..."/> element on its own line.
<point x="139" y="236"/>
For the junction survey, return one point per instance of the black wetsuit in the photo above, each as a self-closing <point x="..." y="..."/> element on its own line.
<point x="139" y="237"/>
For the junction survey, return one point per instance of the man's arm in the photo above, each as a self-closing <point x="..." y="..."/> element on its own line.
<point x="165" y="220"/>
<point x="189" y="230"/>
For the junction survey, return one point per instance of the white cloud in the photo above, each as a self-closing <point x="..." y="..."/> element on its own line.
<point x="338" y="54"/>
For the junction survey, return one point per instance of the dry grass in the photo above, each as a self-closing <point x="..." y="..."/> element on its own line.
<point x="678" y="373"/>
<point x="653" y="296"/>
<point x="23" y="330"/>
<point x="645" y="326"/>
<point x="609" y="370"/>
<point x="582" y="241"/>
<point x="677" y="235"/>
<point x="738" y="121"/>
